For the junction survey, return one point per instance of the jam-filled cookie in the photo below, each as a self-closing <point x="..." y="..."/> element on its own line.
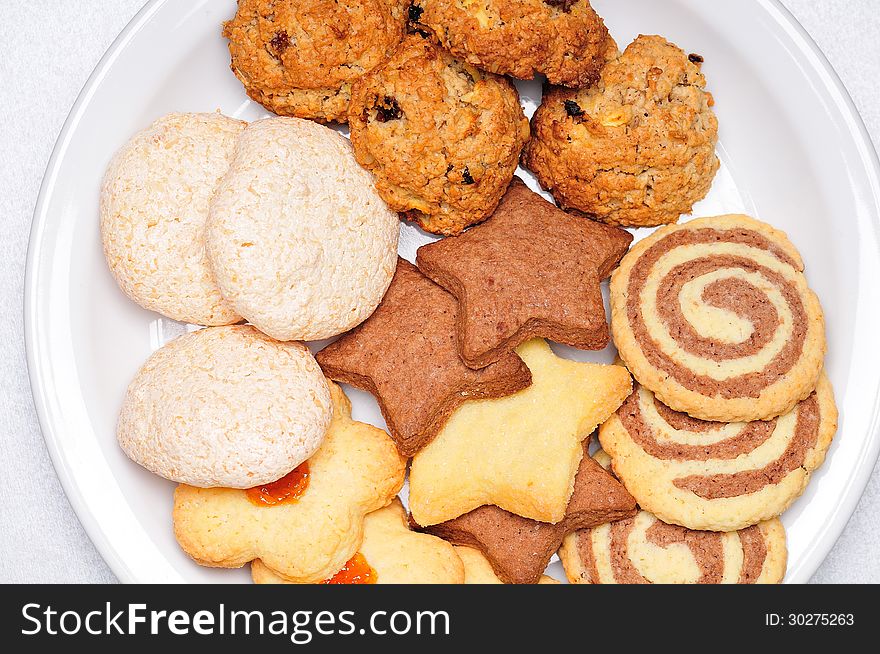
<point x="300" y="57"/>
<point x="390" y="554"/>
<point x="638" y="148"/>
<point x="442" y="138"/>
<point x="566" y="40"/>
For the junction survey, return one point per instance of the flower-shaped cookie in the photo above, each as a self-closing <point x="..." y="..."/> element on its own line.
<point x="393" y="554"/>
<point x="356" y="470"/>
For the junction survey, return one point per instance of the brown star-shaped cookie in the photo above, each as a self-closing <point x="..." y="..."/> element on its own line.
<point x="406" y="355"/>
<point x="518" y="548"/>
<point x="531" y="270"/>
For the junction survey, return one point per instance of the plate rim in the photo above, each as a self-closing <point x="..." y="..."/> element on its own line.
<point x="52" y="433"/>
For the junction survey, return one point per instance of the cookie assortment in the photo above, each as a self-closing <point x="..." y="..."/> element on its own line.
<point x="711" y="422"/>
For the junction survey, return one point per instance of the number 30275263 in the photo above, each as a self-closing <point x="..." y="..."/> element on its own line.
<point x="809" y="619"/>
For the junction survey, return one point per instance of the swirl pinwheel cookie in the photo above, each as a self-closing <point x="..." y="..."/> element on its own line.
<point x="307" y="525"/>
<point x="390" y="554"/>
<point x="642" y="550"/>
<point x="712" y="475"/>
<point x="715" y="317"/>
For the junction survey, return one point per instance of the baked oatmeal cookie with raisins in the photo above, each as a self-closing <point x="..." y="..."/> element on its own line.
<point x="442" y="138"/>
<point x="566" y="40"/>
<point x="300" y="57"/>
<point x="638" y="148"/>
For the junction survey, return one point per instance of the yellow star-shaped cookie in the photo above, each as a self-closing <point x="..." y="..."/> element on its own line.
<point x="519" y="452"/>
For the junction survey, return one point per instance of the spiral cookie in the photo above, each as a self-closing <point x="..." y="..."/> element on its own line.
<point x="716" y="318"/>
<point x="717" y="476"/>
<point x="644" y="550"/>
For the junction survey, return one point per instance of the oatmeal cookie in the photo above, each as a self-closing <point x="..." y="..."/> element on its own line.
<point x="566" y="40"/>
<point x="300" y="57"/>
<point x="638" y="148"/>
<point x="442" y="138"/>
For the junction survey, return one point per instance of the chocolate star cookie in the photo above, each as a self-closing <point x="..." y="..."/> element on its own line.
<point x="405" y="354"/>
<point x="531" y="270"/>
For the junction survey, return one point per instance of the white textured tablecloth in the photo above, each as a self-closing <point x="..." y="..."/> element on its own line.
<point x="50" y="47"/>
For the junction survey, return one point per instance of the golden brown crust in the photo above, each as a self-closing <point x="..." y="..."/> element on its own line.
<point x="301" y="58"/>
<point x="564" y="39"/>
<point x="442" y="138"/>
<point x="637" y="149"/>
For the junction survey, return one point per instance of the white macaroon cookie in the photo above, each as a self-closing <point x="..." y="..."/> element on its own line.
<point x="154" y="206"/>
<point x="227" y="407"/>
<point x="299" y="240"/>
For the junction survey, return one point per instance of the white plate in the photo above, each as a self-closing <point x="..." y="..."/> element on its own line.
<point x="795" y="154"/>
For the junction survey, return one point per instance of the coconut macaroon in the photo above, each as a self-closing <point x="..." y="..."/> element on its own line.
<point x="154" y="205"/>
<point x="299" y="240"/>
<point x="225" y="406"/>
